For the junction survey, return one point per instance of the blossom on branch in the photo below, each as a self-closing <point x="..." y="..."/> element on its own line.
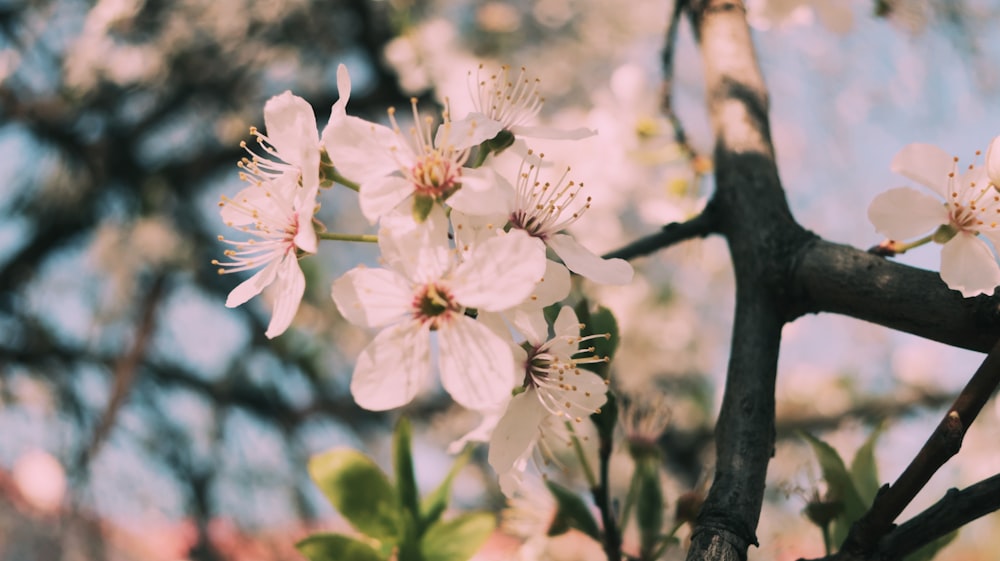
<point x="971" y="208"/>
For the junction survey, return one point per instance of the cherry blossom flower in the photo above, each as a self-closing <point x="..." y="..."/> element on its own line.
<point x="277" y="209"/>
<point x="993" y="162"/>
<point x="556" y="390"/>
<point x="971" y="207"/>
<point x="426" y="288"/>
<point x="391" y="167"/>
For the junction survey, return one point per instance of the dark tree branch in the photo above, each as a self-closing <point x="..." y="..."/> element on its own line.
<point x="698" y="227"/>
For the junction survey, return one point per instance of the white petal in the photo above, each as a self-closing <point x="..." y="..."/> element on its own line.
<point x="517" y="431"/>
<point x="552" y="133"/>
<point x="993" y="161"/>
<point x="530" y="322"/>
<point x="372" y="297"/>
<point x="926" y="164"/>
<point x="904" y="213"/>
<point x="477" y="367"/>
<point x="582" y="261"/>
<point x="291" y="127"/>
<point x="419" y="251"/>
<point x="482" y="194"/>
<point x="968" y="266"/>
<point x="305" y="237"/>
<point x="379" y="195"/>
<point x="472" y="230"/>
<point x="474" y="129"/>
<point x="343" y="90"/>
<point x="554" y="287"/>
<point x="361" y="150"/>
<point x="393" y="367"/>
<point x="291" y="285"/>
<point x="566" y="325"/>
<point x="253" y="285"/>
<point x="500" y="273"/>
<point x="481" y="433"/>
<point x="235" y="213"/>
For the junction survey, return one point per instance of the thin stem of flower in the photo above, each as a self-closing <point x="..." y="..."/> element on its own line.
<point x="337" y="177"/>
<point x="904" y="247"/>
<point x="633" y="488"/>
<point x="578" y="448"/>
<point x="827" y="540"/>
<point x="369" y="238"/>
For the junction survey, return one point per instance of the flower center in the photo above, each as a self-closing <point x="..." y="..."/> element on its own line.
<point x="435" y="175"/>
<point x="432" y="305"/>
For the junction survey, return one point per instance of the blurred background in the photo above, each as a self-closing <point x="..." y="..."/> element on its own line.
<point x="140" y="419"/>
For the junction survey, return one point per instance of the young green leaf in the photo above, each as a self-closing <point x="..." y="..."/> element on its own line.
<point x="335" y="547"/>
<point x="457" y="539"/>
<point x="648" y="506"/>
<point x="863" y="468"/>
<point x="402" y="457"/>
<point x="358" y="489"/>
<point x="840" y="486"/>
<point x="572" y="512"/>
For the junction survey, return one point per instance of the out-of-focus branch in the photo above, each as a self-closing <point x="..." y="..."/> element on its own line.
<point x="943" y="443"/>
<point x="698" y="227"/>
<point x="841" y="279"/>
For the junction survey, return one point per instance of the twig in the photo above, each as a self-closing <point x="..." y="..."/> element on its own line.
<point x="667" y="62"/>
<point x="943" y="443"/>
<point x="698" y="227"/>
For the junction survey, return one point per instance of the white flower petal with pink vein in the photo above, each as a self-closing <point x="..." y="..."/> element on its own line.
<point x="305" y="237"/>
<point x="516" y="431"/>
<point x="380" y="195"/>
<point x="968" y="266"/>
<point x="474" y="129"/>
<point x="904" y="213"/>
<point x="582" y="261"/>
<point x="482" y="194"/>
<point x="291" y="128"/>
<point x="993" y="162"/>
<point x="477" y="367"/>
<point x="393" y="367"/>
<point x="926" y="164"/>
<point x="253" y="285"/>
<point x="290" y="285"/>
<point x="361" y="150"/>
<point x="372" y="297"/>
<point x="500" y="273"/>
<point x="418" y="251"/>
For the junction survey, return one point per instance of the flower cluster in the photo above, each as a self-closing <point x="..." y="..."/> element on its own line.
<point x="969" y="214"/>
<point x="466" y="273"/>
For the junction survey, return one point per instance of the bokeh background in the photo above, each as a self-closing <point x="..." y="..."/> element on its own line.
<point x="140" y="419"/>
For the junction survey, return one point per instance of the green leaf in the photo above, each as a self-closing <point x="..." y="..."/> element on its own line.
<point x="457" y="539"/>
<point x="648" y="506"/>
<point x="840" y="486"/>
<point x="437" y="501"/>
<point x="572" y="512"/>
<point x="863" y="468"/>
<point x="606" y="418"/>
<point x="357" y="488"/>
<point x="422" y="206"/>
<point x="335" y="547"/>
<point x="929" y="551"/>
<point x="402" y="458"/>
<point x="599" y="320"/>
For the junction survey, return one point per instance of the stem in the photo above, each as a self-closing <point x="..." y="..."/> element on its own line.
<point x="369" y="238"/>
<point x="335" y="176"/>
<point x="578" y="448"/>
<point x="827" y="540"/>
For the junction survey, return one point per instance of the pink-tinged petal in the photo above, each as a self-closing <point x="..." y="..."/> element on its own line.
<point x="343" y="91"/>
<point x="290" y="285"/>
<point x="393" y="367"/>
<point x="420" y="251"/>
<point x="474" y="129"/>
<point x="253" y="285"/>
<point x="481" y="433"/>
<point x="238" y="211"/>
<point x="291" y="127"/>
<point x="904" y="213"/>
<point x="497" y="324"/>
<point x="566" y="325"/>
<point x="582" y="261"/>
<point x="554" y="287"/>
<point x="500" y="273"/>
<point x="305" y="237"/>
<point x="512" y="482"/>
<point x="472" y="230"/>
<point x="993" y="161"/>
<point x="372" y="297"/>
<point x="926" y="164"/>
<point x="477" y="366"/>
<point x="552" y="133"/>
<point x="379" y="195"/>
<point x="968" y="265"/>
<point x="516" y="432"/>
<point x="362" y="150"/>
<point x="529" y="322"/>
<point x="482" y="194"/>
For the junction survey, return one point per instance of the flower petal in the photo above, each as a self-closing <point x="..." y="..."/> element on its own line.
<point x="420" y="251"/>
<point x="582" y="261"/>
<point x="552" y="133"/>
<point x="474" y="129"/>
<point x="291" y="128"/>
<point x="500" y="273"/>
<point x="516" y="432"/>
<point x="379" y="195"/>
<point x="993" y="161"/>
<point x="372" y="297"/>
<point x="343" y="90"/>
<point x="393" y="367"/>
<point x="253" y="285"/>
<point x="477" y="367"/>
<point x="472" y="230"/>
<point x="363" y="150"/>
<point x="291" y="285"/>
<point x="904" y="213"/>
<point x="926" y="164"/>
<point x="482" y="194"/>
<point x="968" y="265"/>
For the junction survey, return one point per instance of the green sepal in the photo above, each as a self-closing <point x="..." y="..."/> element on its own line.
<point x="402" y="458"/>
<point x="457" y="539"/>
<point x="502" y="141"/>
<point x="572" y="512"/>
<point x="422" y="206"/>
<point x="358" y="489"/>
<point x="336" y="547"/>
<point x="436" y="502"/>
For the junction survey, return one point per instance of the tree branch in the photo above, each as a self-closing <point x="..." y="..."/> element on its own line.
<point x="698" y="227"/>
